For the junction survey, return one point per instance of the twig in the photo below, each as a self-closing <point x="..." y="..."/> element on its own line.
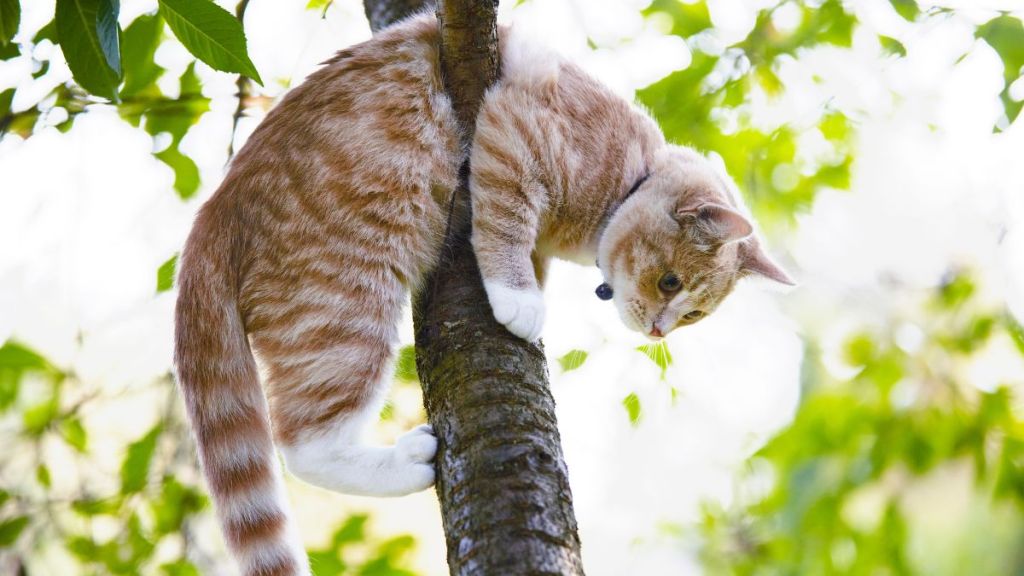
<point x="244" y="88"/>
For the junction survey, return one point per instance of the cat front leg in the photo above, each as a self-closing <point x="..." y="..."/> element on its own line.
<point x="504" y="234"/>
<point x="521" y="311"/>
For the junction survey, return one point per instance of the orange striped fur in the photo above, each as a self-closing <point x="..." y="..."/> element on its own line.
<point x="334" y="211"/>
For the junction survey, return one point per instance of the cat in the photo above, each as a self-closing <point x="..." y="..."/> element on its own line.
<point x="335" y="209"/>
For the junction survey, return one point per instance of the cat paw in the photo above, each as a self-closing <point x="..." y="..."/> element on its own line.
<point x="413" y="461"/>
<point x="418" y="445"/>
<point x="520" y="311"/>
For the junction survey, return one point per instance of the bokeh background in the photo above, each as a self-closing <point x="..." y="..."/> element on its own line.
<point x="868" y="421"/>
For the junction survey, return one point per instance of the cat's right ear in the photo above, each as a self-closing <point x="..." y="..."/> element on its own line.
<point x="753" y="260"/>
<point x="722" y="224"/>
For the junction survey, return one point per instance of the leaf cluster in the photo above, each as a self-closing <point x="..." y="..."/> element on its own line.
<point x="709" y="103"/>
<point x="142" y="522"/>
<point x="907" y="414"/>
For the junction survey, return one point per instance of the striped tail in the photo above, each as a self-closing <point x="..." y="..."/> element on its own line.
<point x="227" y="408"/>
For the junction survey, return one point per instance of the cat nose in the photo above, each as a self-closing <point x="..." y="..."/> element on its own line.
<point x="656" y="332"/>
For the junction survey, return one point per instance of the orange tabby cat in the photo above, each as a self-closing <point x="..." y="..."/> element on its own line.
<point x="336" y="208"/>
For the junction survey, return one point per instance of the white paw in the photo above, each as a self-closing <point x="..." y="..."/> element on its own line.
<point x="418" y="445"/>
<point x="413" y="461"/>
<point x="520" y="311"/>
<point x="409" y="479"/>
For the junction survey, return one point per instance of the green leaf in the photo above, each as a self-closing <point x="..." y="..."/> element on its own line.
<point x="174" y="117"/>
<point x="90" y="41"/>
<point x="165" y="274"/>
<point x="405" y="364"/>
<point x="352" y="531"/>
<point x="10" y="17"/>
<point x="892" y="46"/>
<point x="179" y="568"/>
<point x="687" y="18"/>
<point x="326" y="563"/>
<point x="319" y="5"/>
<point x="1005" y="34"/>
<point x="955" y="291"/>
<point x="659" y="354"/>
<point x="11" y="529"/>
<point x="17" y="357"/>
<point x="389" y="555"/>
<point x="211" y="34"/>
<point x="9" y="51"/>
<point x="1015" y="330"/>
<point x="186" y="173"/>
<point x="4" y="497"/>
<point x="835" y="127"/>
<point x="175" y="504"/>
<point x="43" y="476"/>
<point x="860" y="350"/>
<point x="6" y="97"/>
<point x="835" y="176"/>
<point x="906" y="8"/>
<point x="74" y="434"/>
<point x="83" y="548"/>
<point x="140" y="41"/>
<point x="768" y="80"/>
<point x="836" y="24"/>
<point x="91" y="507"/>
<point x="632" y="405"/>
<point x="48" y="32"/>
<point x="135" y="468"/>
<point x="37" y="418"/>
<point x="572" y="360"/>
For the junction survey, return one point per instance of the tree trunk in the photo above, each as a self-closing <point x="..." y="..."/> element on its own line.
<point x="502" y="482"/>
<point x="382" y="13"/>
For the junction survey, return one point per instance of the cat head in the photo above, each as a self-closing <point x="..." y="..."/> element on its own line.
<point x="674" y="249"/>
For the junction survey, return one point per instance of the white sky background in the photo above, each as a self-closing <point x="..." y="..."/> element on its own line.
<point x="87" y="217"/>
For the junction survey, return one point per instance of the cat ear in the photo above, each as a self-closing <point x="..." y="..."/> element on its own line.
<point x="724" y="224"/>
<point x="753" y="260"/>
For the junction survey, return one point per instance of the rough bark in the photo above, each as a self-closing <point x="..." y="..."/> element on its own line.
<point x="502" y="481"/>
<point x="381" y="13"/>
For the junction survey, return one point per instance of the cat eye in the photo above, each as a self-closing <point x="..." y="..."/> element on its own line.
<point x="693" y="315"/>
<point x="670" y="283"/>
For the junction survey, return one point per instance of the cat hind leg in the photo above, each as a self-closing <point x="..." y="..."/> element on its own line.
<point x="322" y="399"/>
<point x="337" y="460"/>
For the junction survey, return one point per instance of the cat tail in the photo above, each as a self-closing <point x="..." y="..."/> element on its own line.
<point x="226" y="406"/>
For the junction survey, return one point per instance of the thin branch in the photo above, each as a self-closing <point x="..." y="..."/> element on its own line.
<point x="244" y="85"/>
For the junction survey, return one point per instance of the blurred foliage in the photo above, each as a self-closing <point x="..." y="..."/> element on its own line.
<point x="708" y="103"/>
<point x="61" y="506"/>
<point x="847" y="469"/>
<point x="50" y="498"/>
<point x="348" y="553"/>
<point x="832" y="493"/>
<point x="718" y="87"/>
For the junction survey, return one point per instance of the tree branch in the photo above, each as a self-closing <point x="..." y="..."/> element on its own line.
<point x="383" y="13"/>
<point x="244" y="86"/>
<point x="502" y="481"/>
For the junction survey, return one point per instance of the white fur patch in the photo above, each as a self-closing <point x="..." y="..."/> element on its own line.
<point x="337" y="461"/>
<point x="520" y="311"/>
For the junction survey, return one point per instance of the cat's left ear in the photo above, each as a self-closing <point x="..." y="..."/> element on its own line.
<point x="723" y="224"/>
<point x="753" y="260"/>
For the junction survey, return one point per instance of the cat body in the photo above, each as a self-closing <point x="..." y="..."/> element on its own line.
<point x="336" y="209"/>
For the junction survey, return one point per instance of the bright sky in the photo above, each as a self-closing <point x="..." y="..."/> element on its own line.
<point x="87" y="217"/>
